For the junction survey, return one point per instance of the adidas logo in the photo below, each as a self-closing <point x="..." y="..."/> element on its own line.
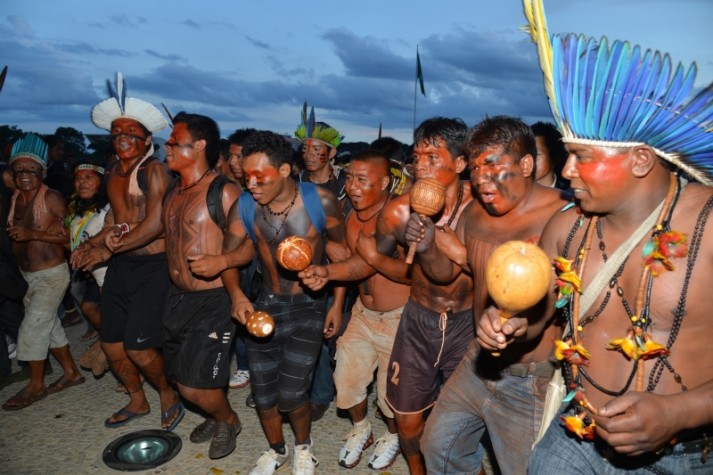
<point x="213" y="335"/>
<point x="227" y="336"/>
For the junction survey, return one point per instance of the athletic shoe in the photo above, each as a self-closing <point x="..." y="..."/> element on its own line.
<point x="239" y="379"/>
<point x="385" y="451"/>
<point x="305" y="461"/>
<point x="357" y="440"/>
<point x="269" y="462"/>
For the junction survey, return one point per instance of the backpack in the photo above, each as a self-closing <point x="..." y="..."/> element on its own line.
<point x="213" y="199"/>
<point x="310" y="197"/>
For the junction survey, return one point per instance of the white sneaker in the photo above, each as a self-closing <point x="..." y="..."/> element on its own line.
<point x="305" y="461"/>
<point x="239" y="379"/>
<point x="385" y="451"/>
<point x="269" y="462"/>
<point x="357" y="440"/>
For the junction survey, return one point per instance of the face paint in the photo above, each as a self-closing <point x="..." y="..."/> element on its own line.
<point x="434" y="160"/>
<point x="129" y="139"/>
<point x="498" y="180"/>
<point x="315" y="155"/>
<point x="363" y="184"/>
<point x="262" y="179"/>
<point x="597" y="175"/>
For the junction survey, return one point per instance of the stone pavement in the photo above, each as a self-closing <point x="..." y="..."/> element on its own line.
<point x="65" y="434"/>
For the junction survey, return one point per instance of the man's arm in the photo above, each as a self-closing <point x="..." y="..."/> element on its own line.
<point x="238" y="251"/>
<point x="494" y="334"/>
<point x="435" y="263"/>
<point x="151" y="227"/>
<point x="636" y="423"/>
<point x="55" y="233"/>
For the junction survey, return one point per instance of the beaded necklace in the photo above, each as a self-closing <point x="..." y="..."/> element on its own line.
<point x="181" y="189"/>
<point x="284" y="213"/>
<point x="642" y="347"/>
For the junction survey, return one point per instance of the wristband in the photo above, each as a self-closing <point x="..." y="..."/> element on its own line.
<point x="123" y="228"/>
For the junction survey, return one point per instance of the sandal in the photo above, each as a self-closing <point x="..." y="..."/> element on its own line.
<point x="23" y="399"/>
<point x="178" y="411"/>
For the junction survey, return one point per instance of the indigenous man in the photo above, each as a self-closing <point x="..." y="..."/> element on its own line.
<point x="319" y="147"/>
<point x="510" y="205"/>
<point x="633" y="267"/>
<point x="35" y="211"/>
<point x="436" y="325"/>
<point x="273" y="208"/>
<point x="137" y="278"/>
<point x="198" y="330"/>
<point x="367" y="341"/>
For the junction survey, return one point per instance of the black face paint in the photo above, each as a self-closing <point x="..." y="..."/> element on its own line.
<point x="37" y="173"/>
<point x="135" y="138"/>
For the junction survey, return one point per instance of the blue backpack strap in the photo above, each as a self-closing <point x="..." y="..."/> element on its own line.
<point x="246" y="206"/>
<point x="313" y="205"/>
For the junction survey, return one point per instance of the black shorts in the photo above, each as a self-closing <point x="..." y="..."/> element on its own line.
<point x="132" y="301"/>
<point x="281" y="364"/>
<point x="197" y="337"/>
<point x="424" y="356"/>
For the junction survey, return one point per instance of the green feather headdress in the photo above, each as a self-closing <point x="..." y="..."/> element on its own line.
<point x="310" y="129"/>
<point x="618" y="95"/>
<point x="30" y="146"/>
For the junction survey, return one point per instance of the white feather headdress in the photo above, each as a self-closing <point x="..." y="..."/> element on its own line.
<point x="120" y="106"/>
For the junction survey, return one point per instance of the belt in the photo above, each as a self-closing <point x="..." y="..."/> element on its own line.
<point x="523" y="370"/>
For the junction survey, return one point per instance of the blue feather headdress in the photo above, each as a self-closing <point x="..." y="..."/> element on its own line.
<point x="310" y="129"/>
<point x="618" y="95"/>
<point x="30" y="146"/>
<point x="120" y="106"/>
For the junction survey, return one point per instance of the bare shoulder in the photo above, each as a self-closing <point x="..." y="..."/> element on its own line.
<point x="55" y="199"/>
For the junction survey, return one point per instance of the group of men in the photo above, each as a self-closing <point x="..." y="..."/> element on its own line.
<point x="627" y="244"/>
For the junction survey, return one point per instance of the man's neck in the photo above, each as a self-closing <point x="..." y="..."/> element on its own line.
<point x="322" y="175"/>
<point x="638" y="207"/>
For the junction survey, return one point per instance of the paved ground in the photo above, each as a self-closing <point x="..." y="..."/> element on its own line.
<point x="65" y="434"/>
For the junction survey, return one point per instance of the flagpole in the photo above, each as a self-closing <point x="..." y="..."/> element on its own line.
<point x="415" y="86"/>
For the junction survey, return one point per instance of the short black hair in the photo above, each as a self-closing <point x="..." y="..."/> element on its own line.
<point x="239" y="136"/>
<point x="510" y="133"/>
<point x="374" y="156"/>
<point x="553" y="141"/>
<point x="276" y="147"/>
<point x="391" y="147"/>
<point x="452" y="131"/>
<point x="202" y="127"/>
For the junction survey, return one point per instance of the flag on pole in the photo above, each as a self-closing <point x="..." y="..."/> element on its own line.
<point x="419" y="73"/>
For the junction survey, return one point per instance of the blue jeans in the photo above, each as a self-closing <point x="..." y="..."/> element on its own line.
<point x="322" y="390"/>
<point x="558" y="453"/>
<point x="508" y="404"/>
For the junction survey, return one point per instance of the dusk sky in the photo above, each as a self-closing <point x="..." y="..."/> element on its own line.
<point x="252" y="63"/>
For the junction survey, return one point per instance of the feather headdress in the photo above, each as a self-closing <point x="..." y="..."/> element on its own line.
<point x="120" y="106"/>
<point x="310" y="129"/>
<point x="618" y="95"/>
<point x="30" y="146"/>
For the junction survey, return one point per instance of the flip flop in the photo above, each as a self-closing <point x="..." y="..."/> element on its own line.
<point x="165" y="416"/>
<point x="61" y="384"/>
<point x="18" y="401"/>
<point x="130" y="416"/>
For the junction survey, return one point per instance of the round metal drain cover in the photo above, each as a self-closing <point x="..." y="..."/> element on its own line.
<point x="142" y="450"/>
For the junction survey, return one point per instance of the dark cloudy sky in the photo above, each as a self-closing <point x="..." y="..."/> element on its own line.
<point x="250" y="63"/>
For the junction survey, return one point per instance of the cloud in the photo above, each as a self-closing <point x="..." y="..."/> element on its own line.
<point x="192" y="24"/>
<point x="165" y="57"/>
<point x="258" y="43"/>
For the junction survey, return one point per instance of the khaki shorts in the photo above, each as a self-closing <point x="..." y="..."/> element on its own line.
<point x="365" y="346"/>
<point x="41" y="329"/>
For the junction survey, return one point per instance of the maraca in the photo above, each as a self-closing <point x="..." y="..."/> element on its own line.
<point x="518" y="275"/>
<point x="260" y="324"/>
<point x="427" y="197"/>
<point x="294" y="253"/>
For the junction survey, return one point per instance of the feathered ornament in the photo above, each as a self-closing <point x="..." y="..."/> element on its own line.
<point x="3" y="74"/>
<point x="309" y="128"/>
<point x="618" y="95"/>
<point x="30" y="146"/>
<point x="168" y="113"/>
<point x="120" y="106"/>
